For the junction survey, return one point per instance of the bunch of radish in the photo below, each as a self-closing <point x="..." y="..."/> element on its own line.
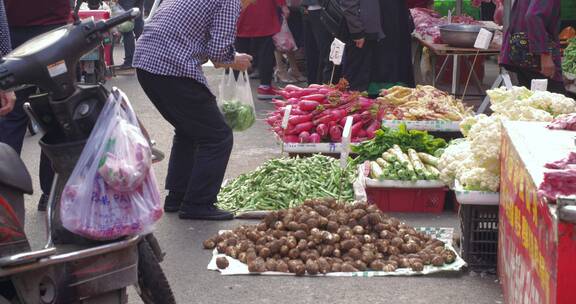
<point x="319" y="114"/>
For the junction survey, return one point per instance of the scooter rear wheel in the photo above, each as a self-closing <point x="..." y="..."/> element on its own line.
<point x="152" y="282"/>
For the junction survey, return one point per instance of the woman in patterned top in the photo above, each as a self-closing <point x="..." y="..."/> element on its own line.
<point x="531" y="46"/>
<point x="7" y="99"/>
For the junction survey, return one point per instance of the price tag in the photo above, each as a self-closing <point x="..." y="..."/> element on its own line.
<point x="507" y="81"/>
<point x="449" y="16"/>
<point x="337" y="51"/>
<point x="286" y="116"/>
<point x="346" y="142"/>
<point x="483" y="39"/>
<point x="539" y="85"/>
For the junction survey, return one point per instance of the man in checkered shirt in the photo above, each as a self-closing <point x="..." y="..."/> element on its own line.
<point x="180" y="37"/>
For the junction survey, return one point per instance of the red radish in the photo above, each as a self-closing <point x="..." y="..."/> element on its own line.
<point x="324" y="119"/>
<point x="301" y="127"/>
<point x="315" y="97"/>
<point x="296" y="119"/>
<point x="361" y="133"/>
<point x="322" y="130"/>
<point x="291" y="139"/>
<point x="278" y="103"/>
<point x="372" y="128"/>
<point x="315" y="85"/>
<point x="354" y="131"/>
<point x="355" y="118"/>
<point x="365" y="116"/>
<point x="304" y="137"/>
<point x="272" y="120"/>
<point x="303" y="92"/>
<point x="332" y="123"/>
<point x="365" y="103"/>
<point x="358" y="139"/>
<point x="291" y="88"/>
<point x="336" y="133"/>
<point x="292" y="101"/>
<point x="296" y="111"/>
<point x="339" y="114"/>
<point x="314" y="138"/>
<point x="324" y="91"/>
<point x="308" y="105"/>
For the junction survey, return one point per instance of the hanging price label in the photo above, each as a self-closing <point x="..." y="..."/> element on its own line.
<point x="286" y="116"/>
<point x="346" y="142"/>
<point x="337" y="51"/>
<point x="539" y="85"/>
<point x="483" y="39"/>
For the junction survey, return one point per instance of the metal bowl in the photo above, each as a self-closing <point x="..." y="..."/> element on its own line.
<point x="459" y="35"/>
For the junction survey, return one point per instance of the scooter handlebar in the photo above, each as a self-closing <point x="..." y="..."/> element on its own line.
<point x="127" y="16"/>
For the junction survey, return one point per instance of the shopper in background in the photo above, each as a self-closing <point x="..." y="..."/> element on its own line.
<point x="256" y="26"/>
<point x="380" y="48"/>
<point x="183" y="35"/>
<point x="7" y="99"/>
<point x="420" y="3"/>
<point x="27" y="19"/>
<point x="317" y="42"/>
<point x="129" y="38"/>
<point x="531" y="46"/>
<point x="287" y="70"/>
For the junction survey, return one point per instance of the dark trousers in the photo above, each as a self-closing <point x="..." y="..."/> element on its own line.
<point x="525" y="77"/>
<point x="129" y="38"/>
<point x="263" y="49"/>
<point x="317" y="41"/>
<point x="202" y="140"/>
<point x="14" y="125"/>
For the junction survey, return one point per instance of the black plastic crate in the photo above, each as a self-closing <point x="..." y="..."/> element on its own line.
<point x="479" y="239"/>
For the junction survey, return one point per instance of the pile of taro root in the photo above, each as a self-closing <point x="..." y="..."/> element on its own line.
<point x="324" y="236"/>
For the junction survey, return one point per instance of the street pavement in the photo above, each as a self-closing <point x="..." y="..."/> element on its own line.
<point x="186" y="261"/>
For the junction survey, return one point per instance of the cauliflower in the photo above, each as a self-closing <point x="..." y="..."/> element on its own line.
<point x="484" y="138"/>
<point x="552" y="103"/>
<point x="479" y="179"/>
<point x="501" y="95"/>
<point x="453" y="160"/>
<point x="467" y="123"/>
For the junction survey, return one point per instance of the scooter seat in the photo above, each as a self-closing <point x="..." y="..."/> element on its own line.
<point x="13" y="172"/>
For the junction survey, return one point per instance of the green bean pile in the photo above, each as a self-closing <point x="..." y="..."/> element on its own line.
<point x="285" y="183"/>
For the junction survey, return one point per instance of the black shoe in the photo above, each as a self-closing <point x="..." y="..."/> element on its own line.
<point x="125" y="66"/>
<point x="206" y="212"/>
<point x="173" y="201"/>
<point x="43" y="202"/>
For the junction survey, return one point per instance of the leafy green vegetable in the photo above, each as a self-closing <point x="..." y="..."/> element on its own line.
<point x="238" y="116"/>
<point x="386" y="138"/>
<point x="569" y="60"/>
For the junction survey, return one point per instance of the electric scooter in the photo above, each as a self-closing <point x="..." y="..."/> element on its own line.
<point x="69" y="269"/>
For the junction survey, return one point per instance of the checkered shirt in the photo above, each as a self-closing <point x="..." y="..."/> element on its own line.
<point x="5" y="46"/>
<point x="184" y="34"/>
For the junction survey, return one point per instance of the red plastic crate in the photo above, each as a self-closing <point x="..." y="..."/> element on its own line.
<point x="427" y="200"/>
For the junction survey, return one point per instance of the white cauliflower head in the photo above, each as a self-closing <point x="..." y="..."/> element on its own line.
<point x="479" y="179"/>
<point x="552" y="103"/>
<point x="484" y="137"/>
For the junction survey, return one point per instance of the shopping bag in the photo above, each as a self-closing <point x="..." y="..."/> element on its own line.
<point x="235" y="101"/>
<point x="112" y="191"/>
<point x="283" y="40"/>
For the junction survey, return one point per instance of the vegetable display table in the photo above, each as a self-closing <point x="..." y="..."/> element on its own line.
<point x="537" y="238"/>
<point x="445" y="50"/>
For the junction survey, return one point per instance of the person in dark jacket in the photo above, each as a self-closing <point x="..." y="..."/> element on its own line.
<point x="7" y="99"/>
<point x="380" y="43"/>
<point x="317" y="42"/>
<point x="129" y="38"/>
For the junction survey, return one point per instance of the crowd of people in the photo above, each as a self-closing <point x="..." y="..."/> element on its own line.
<point x="168" y="52"/>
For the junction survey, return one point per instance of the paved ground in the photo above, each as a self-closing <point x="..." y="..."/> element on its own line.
<point x="185" y="263"/>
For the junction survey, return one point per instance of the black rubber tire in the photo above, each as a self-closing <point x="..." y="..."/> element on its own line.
<point x="153" y="285"/>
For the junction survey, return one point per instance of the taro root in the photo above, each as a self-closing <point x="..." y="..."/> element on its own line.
<point x="374" y="218"/>
<point x="358" y="264"/>
<point x="393" y="250"/>
<point x="264" y="252"/>
<point x="393" y="263"/>
<point x="322" y="222"/>
<point x="437" y="260"/>
<point x="336" y="267"/>
<point x="449" y="256"/>
<point x="367" y="257"/>
<point x="302" y="245"/>
<point x="242" y="257"/>
<point x="332" y="226"/>
<point x="209" y="244"/>
<point x="294" y="253"/>
<point x="262" y="227"/>
<point x="312" y="267"/>
<point x="323" y="265"/>
<point x="292" y="265"/>
<point x="231" y="252"/>
<point x="348" y="267"/>
<point x="377" y="265"/>
<point x="327" y="251"/>
<point x="348" y="244"/>
<point x="403" y="263"/>
<point x="336" y="253"/>
<point x="284" y="250"/>
<point x="389" y="268"/>
<point x="439" y="249"/>
<point x="300" y="269"/>
<point x="355" y="253"/>
<point x="357" y="214"/>
<point x="270" y="265"/>
<point x="275" y="246"/>
<point x="358" y="229"/>
<point x="386" y="234"/>
<point x="397" y="242"/>
<point x="417" y="266"/>
<point x="221" y="247"/>
<point x="300" y="234"/>
<point x="281" y="266"/>
<point x="222" y="262"/>
<point x="292" y="226"/>
<point x="258" y="265"/>
<point x="312" y="223"/>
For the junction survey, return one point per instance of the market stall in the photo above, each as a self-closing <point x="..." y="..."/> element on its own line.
<point x="537" y="236"/>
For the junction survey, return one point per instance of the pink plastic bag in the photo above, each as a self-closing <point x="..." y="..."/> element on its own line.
<point x="112" y="191"/>
<point x="283" y="40"/>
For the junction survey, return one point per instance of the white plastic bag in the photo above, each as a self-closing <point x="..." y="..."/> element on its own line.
<point x="283" y="40"/>
<point x="112" y="191"/>
<point x="236" y="102"/>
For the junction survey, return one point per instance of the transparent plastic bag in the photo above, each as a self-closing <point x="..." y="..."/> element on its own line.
<point x="283" y="40"/>
<point x="112" y="191"/>
<point x="235" y="101"/>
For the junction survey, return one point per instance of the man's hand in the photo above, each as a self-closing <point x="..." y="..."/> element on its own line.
<point x="285" y="12"/>
<point x="241" y="62"/>
<point x="360" y="43"/>
<point x="7" y="100"/>
<point x="548" y="68"/>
